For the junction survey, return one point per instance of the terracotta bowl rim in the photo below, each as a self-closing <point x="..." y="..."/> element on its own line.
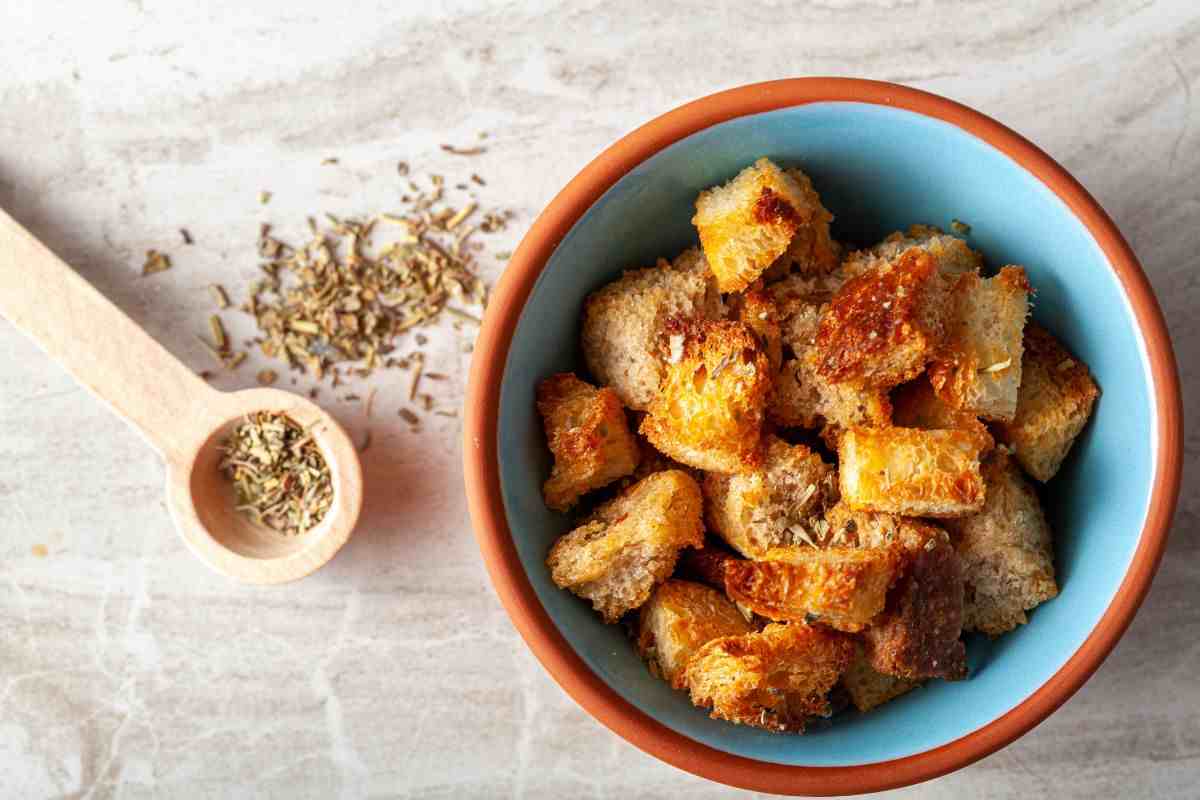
<point x="483" y="477"/>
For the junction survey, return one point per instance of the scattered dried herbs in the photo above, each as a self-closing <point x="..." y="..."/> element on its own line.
<point x="218" y="295"/>
<point x="185" y="235"/>
<point x="280" y="477"/>
<point x="156" y="262"/>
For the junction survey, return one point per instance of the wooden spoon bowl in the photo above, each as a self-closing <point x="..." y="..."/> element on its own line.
<point x="183" y="417"/>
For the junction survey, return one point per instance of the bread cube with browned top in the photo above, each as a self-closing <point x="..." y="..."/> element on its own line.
<point x="588" y="435"/>
<point x="774" y="679"/>
<point x="979" y="368"/>
<point x="952" y="255"/>
<point x="623" y="336"/>
<point x="780" y="502"/>
<point x="630" y="544"/>
<point x="842" y="587"/>
<point x="749" y="222"/>
<point x="916" y="405"/>
<point x="680" y="618"/>
<point x="883" y="326"/>
<point x="912" y="472"/>
<point x="1006" y="550"/>
<point x="708" y="412"/>
<point x="1054" y="402"/>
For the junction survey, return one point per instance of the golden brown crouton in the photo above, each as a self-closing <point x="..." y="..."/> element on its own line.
<point x="773" y="679"/>
<point x="813" y="250"/>
<point x="709" y="410"/>
<point x="915" y="405"/>
<point x="588" y="435"/>
<point x="869" y="688"/>
<point x="979" y="368"/>
<point x="884" y="325"/>
<point x="1006" y="552"/>
<point x="679" y="618"/>
<point x="843" y="587"/>
<point x="1053" y="404"/>
<point x="952" y="254"/>
<point x="780" y="502"/>
<point x="624" y="322"/>
<point x="911" y="472"/>
<point x="757" y="310"/>
<point x="630" y="544"/>
<point x="749" y="222"/>
<point x="918" y="634"/>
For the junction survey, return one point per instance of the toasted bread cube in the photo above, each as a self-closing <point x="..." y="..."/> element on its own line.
<point x="588" y="435"/>
<point x="911" y="472"/>
<point x="630" y="544"/>
<point x="1006" y="551"/>
<point x="869" y="688"/>
<point x="916" y="405"/>
<point x="952" y="254"/>
<point x="1053" y="404"/>
<point x="624" y="322"/>
<point x="918" y="634"/>
<point x="812" y="251"/>
<point x="843" y="587"/>
<point x="980" y="368"/>
<point x="707" y="566"/>
<point x="749" y="222"/>
<point x="678" y="620"/>
<point x="772" y="679"/>
<point x="708" y="413"/>
<point x="884" y="325"/>
<point x="781" y="502"/>
<point x="757" y="310"/>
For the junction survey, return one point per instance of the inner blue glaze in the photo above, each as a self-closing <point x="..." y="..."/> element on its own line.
<point x="878" y="169"/>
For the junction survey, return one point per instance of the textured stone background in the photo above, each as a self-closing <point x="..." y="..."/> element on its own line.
<point x="128" y="670"/>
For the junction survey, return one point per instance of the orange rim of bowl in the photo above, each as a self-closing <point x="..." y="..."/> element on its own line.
<point x="483" y="477"/>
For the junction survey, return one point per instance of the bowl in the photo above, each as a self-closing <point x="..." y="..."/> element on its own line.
<point x="883" y="157"/>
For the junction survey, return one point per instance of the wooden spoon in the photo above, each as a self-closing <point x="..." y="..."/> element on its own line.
<point x="183" y="417"/>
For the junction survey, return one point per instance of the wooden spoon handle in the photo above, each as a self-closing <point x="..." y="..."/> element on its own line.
<point x="101" y="347"/>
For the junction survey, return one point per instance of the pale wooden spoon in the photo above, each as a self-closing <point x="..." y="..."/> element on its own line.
<point x="183" y="417"/>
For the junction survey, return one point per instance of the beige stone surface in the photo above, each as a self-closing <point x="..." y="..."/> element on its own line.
<point x="127" y="670"/>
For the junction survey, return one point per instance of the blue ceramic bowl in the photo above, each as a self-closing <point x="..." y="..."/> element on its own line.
<point x="879" y="167"/>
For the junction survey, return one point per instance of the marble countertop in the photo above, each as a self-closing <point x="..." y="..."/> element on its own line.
<point x="128" y="670"/>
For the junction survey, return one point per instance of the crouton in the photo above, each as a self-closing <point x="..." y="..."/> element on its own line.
<point x="588" y="435"/>
<point x="842" y="587"/>
<point x="772" y="679"/>
<point x="780" y="502"/>
<point x="915" y="405"/>
<point x="979" y="369"/>
<point x="869" y="688"/>
<point x="679" y="618"/>
<point x="630" y="543"/>
<point x="884" y="325"/>
<point x="757" y="310"/>
<point x="918" y="634"/>
<point x="623" y="323"/>
<point x="749" y="222"/>
<point x="1053" y="404"/>
<point x="812" y="251"/>
<point x="709" y="410"/>
<point x="1006" y="550"/>
<point x="849" y="527"/>
<point x="911" y="472"/>
<point x="952" y="254"/>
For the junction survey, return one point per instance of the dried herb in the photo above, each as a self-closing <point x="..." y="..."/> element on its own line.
<point x="264" y="197"/>
<point x="156" y="262"/>
<point x="278" y="473"/>
<point x="187" y="237"/>
<point x="218" y="295"/>
<point x="267" y="376"/>
<point x="463" y="151"/>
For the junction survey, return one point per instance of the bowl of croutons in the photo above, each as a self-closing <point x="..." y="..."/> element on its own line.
<point x="823" y="436"/>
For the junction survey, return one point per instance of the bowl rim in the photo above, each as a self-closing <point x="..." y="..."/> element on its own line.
<point x="481" y="465"/>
